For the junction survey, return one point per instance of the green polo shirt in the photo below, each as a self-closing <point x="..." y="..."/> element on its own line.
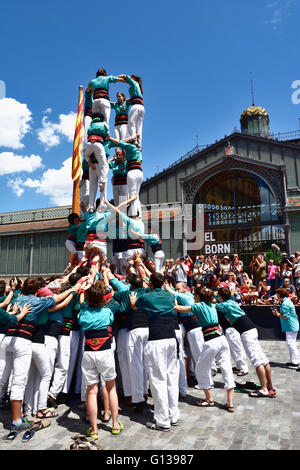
<point x="157" y="303"/>
<point x="102" y="82"/>
<point x="134" y="88"/>
<point x="81" y="232"/>
<point x="133" y="154"/>
<point x="120" y="109"/>
<point x="231" y="310"/>
<point x="118" y="168"/>
<point x="98" y="128"/>
<point x="206" y="313"/>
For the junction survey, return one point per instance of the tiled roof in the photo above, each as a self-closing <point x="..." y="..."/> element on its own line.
<point x="39" y="226"/>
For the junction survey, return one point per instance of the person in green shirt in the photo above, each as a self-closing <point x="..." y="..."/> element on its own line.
<point x="134" y="158"/>
<point x="215" y="347"/>
<point x="121" y="108"/>
<point x="161" y="352"/>
<point x="137" y="111"/>
<point x="118" y="165"/>
<point x="249" y="337"/>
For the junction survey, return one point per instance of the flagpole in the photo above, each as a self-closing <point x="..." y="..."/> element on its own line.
<point x="76" y="183"/>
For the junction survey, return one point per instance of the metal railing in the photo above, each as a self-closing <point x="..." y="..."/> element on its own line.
<point x="35" y="215"/>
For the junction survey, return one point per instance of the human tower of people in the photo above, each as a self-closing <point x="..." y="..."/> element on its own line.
<point x="103" y="328"/>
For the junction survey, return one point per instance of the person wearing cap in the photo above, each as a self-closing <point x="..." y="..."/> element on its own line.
<point x="163" y="373"/>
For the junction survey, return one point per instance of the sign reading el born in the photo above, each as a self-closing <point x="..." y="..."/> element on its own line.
<point x="212" y="248"/>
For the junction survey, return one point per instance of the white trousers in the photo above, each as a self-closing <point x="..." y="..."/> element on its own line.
<point x="102" y="106"/>
<point x="137" y="340"/>
<point x="196" y="343"/>
<point x="159" y="258"/>
<point x="99" y="175"/>
<point x="163" y="369"/>
<point x="71" y="246"/>
<point x="17" y="359"/>
<point x="39" y="377"/>
<point x="135" y="121"/>
<point x="84" y="194"/>
<point x="218" y="349"/>
<point x="86" y="124"/>
<point x="182" y="371"/>
<point x="291" y="337"/>
<point x="129" y="254"/>
<point x="118" y="261"/>
<point x="119" y="191"/>
<point x="134" y="181"/>
<point x="252" y="348"/>
<point x="76" y="352"/>
<point x="121" y="132"/>
<point x="122" y="344"/>
<point x="61" y="365"/>
<point x="51" y="344"/>
<point x="237" y="350"/>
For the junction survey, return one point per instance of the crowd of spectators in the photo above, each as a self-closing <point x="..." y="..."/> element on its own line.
<point x="255" y="283"/>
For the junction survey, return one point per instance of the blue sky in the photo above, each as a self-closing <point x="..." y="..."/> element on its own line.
<point x="195" y="58"/>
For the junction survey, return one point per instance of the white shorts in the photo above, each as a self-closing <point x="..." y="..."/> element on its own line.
<point x="71" y="246"/>
<point x="102" y="246"/>
<point x="98" y="363"/>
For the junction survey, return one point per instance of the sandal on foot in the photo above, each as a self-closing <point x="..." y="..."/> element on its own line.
<point x="90" y="433"/>
<point x="272" y="392"/>
<point x="258" y="394"/>
<point x="229" y="408"/>
<point x="105" y="420"/>
<point x="46" y="414"/>
<point x="241" y="374"/>
<point x="115" y="430"/>
<point x="205" y="403"/>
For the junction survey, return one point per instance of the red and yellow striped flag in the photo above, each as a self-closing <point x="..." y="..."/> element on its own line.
<point x="78" y="139"/>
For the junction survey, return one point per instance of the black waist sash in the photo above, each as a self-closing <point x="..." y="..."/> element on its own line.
<point x="66" y="326"/>
<point x="23" y="329"/>
<point x="134" y="165"/>
<point x="243" y="324"/>
<point x="88" y="112"/>
<point x="136" y="100"/>
<point x="100" y="93"/>
<point x="39" y="334"/>
<point x="137" y="319"/>
<point x="119" y="245"/>
<point x="121" y="119"/>
<point x="211" y="331"/>
<point x="118" y="180"/>
<point x="161" y="328"/>
<point x="97" y="340"/>
<point x="190" y="323"/>
<point x="53" y="328"/>
<point x="135" y="243"/>
<point x="156" y="247"/>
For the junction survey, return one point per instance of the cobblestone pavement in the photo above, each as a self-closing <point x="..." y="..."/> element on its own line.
<point x="258" y="424"/>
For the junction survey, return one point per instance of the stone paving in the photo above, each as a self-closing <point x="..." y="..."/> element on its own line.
<point x="256" y="424"/>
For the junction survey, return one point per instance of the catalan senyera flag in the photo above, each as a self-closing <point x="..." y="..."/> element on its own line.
<point x="78" y="139"/>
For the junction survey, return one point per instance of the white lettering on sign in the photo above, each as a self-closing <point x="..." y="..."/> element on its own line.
<point x="217" y="248"/>
<point x="209" y="237"/>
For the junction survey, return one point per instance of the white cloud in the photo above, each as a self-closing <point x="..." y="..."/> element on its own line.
<point x="16" y="186"/>
<point x="11" y="163"/>
<point x="56" y="184"/>
<point x="280" y="10"/>
<point x="15" y="119"/>
<point x="51" y="133"/>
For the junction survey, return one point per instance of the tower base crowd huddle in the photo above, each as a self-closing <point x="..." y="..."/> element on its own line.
<point x="134" y="325"/>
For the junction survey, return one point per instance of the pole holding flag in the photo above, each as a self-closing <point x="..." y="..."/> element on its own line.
<point x="77" y="154"/>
